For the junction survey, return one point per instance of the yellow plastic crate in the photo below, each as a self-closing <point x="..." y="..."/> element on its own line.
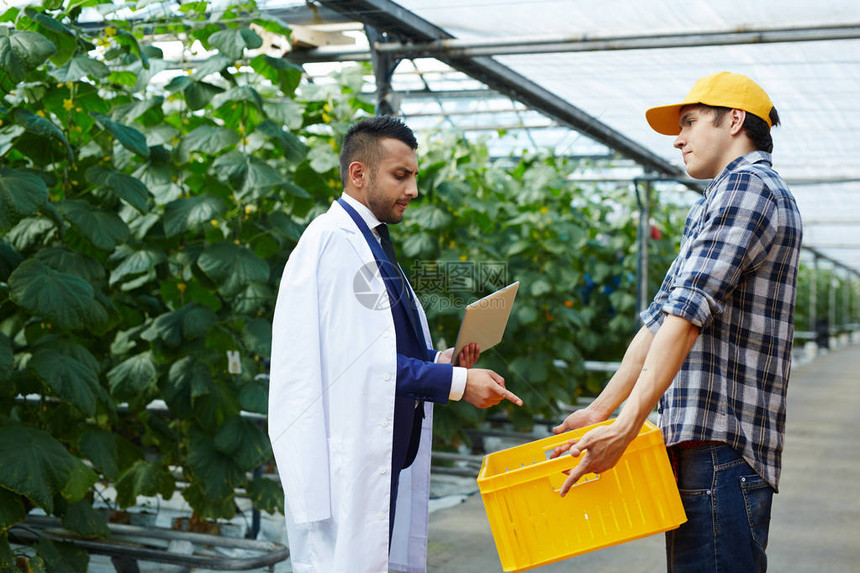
<point x="533" y="525"/>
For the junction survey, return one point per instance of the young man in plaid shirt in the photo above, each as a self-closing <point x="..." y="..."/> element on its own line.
<point x="714" y="353"/>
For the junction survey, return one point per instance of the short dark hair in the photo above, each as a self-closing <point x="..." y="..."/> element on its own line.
<point x="755" y="127"/>
<point x="361" y="142"/>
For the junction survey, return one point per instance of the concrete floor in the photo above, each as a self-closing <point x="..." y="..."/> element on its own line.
<point x="816" y="516"/>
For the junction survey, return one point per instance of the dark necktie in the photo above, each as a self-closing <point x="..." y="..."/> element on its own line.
<point x="387" y="246"/>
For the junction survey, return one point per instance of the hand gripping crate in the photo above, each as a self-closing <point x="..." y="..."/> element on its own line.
<point x="533" y="525"/>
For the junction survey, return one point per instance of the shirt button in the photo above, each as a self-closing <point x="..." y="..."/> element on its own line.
<point x="383" y="471"/>
<point x="384" y="423"/>
<point x="380" y="516"/>
<point x="388" y="375"/>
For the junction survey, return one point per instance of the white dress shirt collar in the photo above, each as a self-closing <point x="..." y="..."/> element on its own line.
<point x="363" y="211"/>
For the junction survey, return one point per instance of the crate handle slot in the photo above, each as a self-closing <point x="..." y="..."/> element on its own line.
<point x="584" y="480"/>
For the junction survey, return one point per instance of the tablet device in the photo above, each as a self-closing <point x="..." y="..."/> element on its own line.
<point x="484" y="320"/>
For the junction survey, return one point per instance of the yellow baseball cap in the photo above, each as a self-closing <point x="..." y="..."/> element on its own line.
<point x="722" y="89"/>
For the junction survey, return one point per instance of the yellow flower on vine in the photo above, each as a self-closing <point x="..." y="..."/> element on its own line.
<point x="110" y="31"/>
<point x="181" y="287"/>
<point x="40" y="113"/>
<point x="68" y="104"/>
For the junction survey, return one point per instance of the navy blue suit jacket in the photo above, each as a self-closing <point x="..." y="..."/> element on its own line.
<point x="419" y="379"/>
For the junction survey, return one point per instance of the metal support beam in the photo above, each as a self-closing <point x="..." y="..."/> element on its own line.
<point x="584" y="43"/>
<point x="813" y="296"/>
<point x="644" y="203"/>
<point x="508" y="46"/>
<point x="402" y="24"/>
<point x="384" y="64"/>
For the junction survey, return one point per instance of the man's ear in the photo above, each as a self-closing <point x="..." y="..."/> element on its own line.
<point x="738" y="116"/>
<point x="357" y="174"/>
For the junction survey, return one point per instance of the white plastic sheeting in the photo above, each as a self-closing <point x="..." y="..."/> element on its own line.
<point x="815" y="85"/>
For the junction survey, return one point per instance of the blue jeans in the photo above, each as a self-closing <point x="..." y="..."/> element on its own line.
<point x="728" y="513"/>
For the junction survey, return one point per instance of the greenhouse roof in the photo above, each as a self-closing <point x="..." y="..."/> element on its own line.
<point x="610" y="61"/>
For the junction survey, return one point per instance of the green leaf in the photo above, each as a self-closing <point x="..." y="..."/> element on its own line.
<point x="9" y="261"/>
<point x="23" y="51"/>
<point x="10" y="15"/>
<point x="128" y="188"/>
<point x="80" y="67"/>
<point x="11" y="509"/>
<point x="257" y="334"/>
<point x="295" y="151"/>
<point x="323" y="159"/>
<point x="39" y="125"/>
<point x="7" y="558"/>
<point x="232" y="266"/>
<point x="22" y="193"/>
<point x="208" y="139"/>
<point x="50" y="24"/>
<point x="134" y="262"/>
<point x="199" y="94"/>
<point x="187" y="379"/>
<point x="418" y="244"/>
<point x="133" y="377"/>
<point x="81" y="518"/>
<point x="252" y="299"/>
<point x="250" y="174"/>
<point x="144" y="478"/>
<point x="279" y="71"/>
<point x="232" y="42"/>
<point x="60" y="298"/>
<point x="211" y="66"/>
<point x="212" y="409"/>
<point x="69" y="379"/>
<point x="286" y="112"/>
<point x="260" y="176"/>
<point x="433" y="218"/>
<point x="104" y="229"/>
<point x="99" y="446"/>
<point x="283" y="223"/>
<point x="189" y="322"/>
<point x="138" y="108"/>
<point x="128" y="137"/>
<point x="253" y="397"/>
<point x="31" y="232"/>
<point x="266" y="495"/>
<point x="540" y="287"/>
<point x="216" y="472"/>
<point x="244" y="441"/>
<point x="224" y="508"/>
<point x="239" y="94"/>
<point x="65" y="260"/>
<point x="185" y="214"/>
<point x="6" y="358"/>
<point x="126" y="38"/>
<point x="62" y="556"/>
<point x="37" y="466"/>
<point x="273" y="24"/>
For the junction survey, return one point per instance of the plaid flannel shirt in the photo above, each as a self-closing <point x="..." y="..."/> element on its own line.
<point x="735" y="277"/>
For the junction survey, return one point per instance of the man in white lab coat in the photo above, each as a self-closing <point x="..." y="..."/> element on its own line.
<point x="353" y="371"/>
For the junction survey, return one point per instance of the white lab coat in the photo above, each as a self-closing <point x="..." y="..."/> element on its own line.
<point x="331" y="411"/>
